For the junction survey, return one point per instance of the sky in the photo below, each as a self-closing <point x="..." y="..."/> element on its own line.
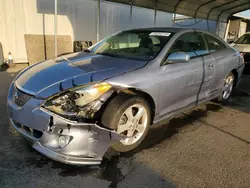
<point x="245" y="13"/>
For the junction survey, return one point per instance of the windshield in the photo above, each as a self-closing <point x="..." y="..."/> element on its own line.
<point x="135" y="44"/>
<point x="244" y="39"/>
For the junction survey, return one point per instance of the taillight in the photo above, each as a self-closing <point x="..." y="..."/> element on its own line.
<point x="242" y="56"/>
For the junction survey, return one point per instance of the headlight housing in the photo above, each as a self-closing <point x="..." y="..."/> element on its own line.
<point x="76" y="102"/>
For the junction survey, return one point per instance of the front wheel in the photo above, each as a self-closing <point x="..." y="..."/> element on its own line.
<point x="130" y="116"/>
<point x="227" y="88"/>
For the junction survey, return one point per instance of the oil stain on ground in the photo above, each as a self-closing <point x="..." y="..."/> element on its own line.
<point x="109" y="170"/>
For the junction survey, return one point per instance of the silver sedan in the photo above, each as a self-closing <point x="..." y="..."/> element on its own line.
<point x="74" y="107"/>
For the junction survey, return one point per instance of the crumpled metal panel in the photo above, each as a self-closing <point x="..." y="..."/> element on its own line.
<point x="88" y="141"/>
<point x="87" y="146"/>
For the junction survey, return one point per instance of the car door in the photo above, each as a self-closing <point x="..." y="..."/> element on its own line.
<point x="181" y="84"/>
<point x="222" y="56"/>
<point x="209" y="72"/>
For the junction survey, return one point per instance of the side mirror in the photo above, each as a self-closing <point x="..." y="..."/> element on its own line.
<point x="178" y="57"/>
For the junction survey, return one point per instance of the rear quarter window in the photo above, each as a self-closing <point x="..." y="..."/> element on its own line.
<point x="214" y="44"/>
<point x="191" y="43"/>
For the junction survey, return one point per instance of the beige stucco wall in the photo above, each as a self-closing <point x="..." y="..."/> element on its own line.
<point x="19" y="17"/>
<point x="76" y="18"/>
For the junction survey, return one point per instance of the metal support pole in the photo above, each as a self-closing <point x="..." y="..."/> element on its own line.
<point x="155" y="16"/>
<point x="131" y="11"/>
<point x="98" y="20"/>
<point x="55" y="30"/>
<point x="217" y="30"/>
<point x="227" y="30"/>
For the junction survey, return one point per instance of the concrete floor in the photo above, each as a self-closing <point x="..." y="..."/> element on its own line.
<point x="205" y="147"/>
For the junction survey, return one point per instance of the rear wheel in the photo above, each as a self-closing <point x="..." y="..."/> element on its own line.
<point x="227" y="88"/>
<point x="130" y="116"/>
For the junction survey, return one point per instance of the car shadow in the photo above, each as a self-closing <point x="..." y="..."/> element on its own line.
<point x="110" y="169"/>
<point x="240" y="100"/>
<point x="165" y="130"/>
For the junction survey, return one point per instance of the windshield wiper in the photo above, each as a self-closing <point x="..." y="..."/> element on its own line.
<point x="87" y="50"/>
<point x="123" y="57"/>
<point x="108" y="54"/>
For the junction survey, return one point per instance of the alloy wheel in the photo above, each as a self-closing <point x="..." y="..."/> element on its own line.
<point x="228" y="87"/>
<point x="133" y="123"/>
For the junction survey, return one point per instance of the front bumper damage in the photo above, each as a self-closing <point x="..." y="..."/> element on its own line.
<point x="86" y="143"/>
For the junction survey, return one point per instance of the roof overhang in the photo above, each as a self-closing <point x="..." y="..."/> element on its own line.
<point x="218" y="10"/>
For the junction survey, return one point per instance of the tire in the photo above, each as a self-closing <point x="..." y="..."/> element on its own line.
<point x="230" y="80"/>
<point x="114" y="117"/>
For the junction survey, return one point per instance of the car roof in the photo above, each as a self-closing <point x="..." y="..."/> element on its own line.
<point x="246" y="33"/>
<point x="172" y="30"/>
<point x="176" y="30"/>
<point x="166" y="29"/>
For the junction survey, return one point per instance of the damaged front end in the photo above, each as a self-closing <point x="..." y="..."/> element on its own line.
<point x="80" y="103"/>
<point x="65" y="127"/>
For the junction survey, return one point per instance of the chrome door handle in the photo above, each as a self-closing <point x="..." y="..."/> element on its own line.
<point x="210" y="66"/>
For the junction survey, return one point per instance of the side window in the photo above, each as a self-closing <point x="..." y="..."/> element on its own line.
<point x="214" y="44"/>
<point x="190" y="43"/>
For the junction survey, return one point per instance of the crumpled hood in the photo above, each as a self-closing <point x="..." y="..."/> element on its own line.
<point x="49" y="77"/>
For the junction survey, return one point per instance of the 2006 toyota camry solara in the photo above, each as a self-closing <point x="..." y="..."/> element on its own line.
<point x="74" y="107"/>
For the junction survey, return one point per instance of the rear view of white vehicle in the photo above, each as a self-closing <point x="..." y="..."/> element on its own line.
<point x="242" y="44"/>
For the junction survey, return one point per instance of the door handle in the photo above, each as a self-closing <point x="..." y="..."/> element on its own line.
<point x="210" y="66"/>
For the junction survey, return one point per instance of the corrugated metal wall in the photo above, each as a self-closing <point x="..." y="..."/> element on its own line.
<point x="76" y="18"/>
<point x="197" y="24"/>
<point x="203" y="24"/>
